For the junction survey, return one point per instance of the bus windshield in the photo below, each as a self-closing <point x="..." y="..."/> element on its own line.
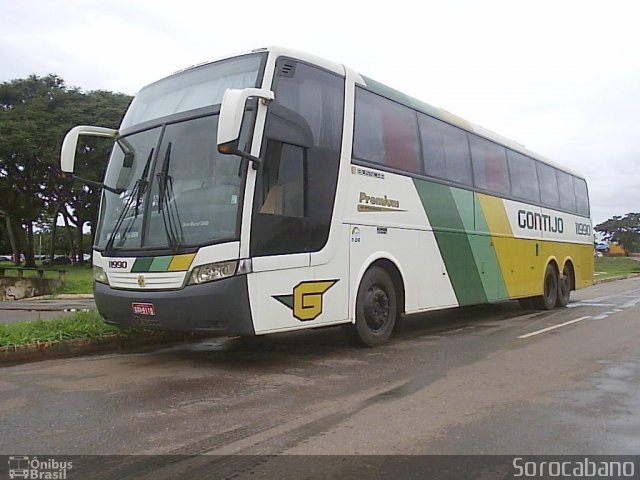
<point x="194" y="88"/>
<point x="171" y="186"/>
<point x="182" y="192"/>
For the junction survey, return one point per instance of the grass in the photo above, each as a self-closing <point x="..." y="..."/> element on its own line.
<point x="80" y="325"/>
<point x="608" y="267"/>
<point x="77" y="278"/>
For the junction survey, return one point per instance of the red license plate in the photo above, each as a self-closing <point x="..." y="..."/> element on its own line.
<point x="143" y="309"/>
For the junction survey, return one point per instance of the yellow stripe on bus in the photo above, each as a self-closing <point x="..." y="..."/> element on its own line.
<point x="181" y="262"/>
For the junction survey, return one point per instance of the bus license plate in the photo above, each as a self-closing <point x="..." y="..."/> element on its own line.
<point x="143" y="309"/>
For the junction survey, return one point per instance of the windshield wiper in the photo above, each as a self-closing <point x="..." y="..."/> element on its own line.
<point x="136" y="195"/>
<point x="170" y="216"/>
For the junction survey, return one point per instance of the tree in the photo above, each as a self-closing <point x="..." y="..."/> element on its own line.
<point x="624" y="230"/>
<point x="81" y="201"/>
<point x="28" y="131"/>
<point x="35" y="114"/>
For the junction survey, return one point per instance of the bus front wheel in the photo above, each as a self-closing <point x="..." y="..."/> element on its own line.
<point x="376" y="308"/>
<point x="549" y="298"/>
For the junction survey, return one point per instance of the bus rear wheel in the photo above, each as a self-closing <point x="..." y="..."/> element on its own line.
<point x="564" y="287"/>
<point x="376" y="308"/>
<point x="549" y="298"/>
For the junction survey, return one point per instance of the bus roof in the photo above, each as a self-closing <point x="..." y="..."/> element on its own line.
<point x="395" y="95"/>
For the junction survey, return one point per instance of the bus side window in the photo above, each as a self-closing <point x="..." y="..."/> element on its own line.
<point x="445" y="150"/>
<point x="283" y="180"/>
<point x="567" y="194"/>
<point x="524" y="178"/>
<point x="489" y="165"/>
<point x="549" y="195"/>
<point x="582" y="196"/>
<point x="386" y="133"/>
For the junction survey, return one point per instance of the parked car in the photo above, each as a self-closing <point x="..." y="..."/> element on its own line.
<point x="602" y="247"/>
<point x="57" y="260"/>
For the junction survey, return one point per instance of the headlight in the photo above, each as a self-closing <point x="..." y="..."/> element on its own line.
<point x="99" y="275"/>
<point x="212" y="271"/>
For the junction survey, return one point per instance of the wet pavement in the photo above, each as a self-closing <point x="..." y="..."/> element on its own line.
<point x="483" y="380"/>
<point x="44" y="308"/>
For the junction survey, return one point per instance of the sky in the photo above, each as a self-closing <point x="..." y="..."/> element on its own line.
<point x="561" y="77"/>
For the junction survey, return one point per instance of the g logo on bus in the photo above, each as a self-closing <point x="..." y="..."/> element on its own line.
<point x="141" y="281"/>
<point x="307" y="298"/>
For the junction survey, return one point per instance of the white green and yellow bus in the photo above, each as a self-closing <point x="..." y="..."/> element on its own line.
<point x="274" y="191"/>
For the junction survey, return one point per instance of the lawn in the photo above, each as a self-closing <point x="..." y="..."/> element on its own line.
<point x="77" y="278"/>
<point x="607" y="267"/>
<point x="79" y="326"/>
<point x="75" y="326"/>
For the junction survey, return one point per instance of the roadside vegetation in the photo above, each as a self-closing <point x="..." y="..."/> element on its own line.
<point x="77" y="278"/>
<point x="608" y="267"/>
<point x="79" y="326"/>
<point x="76" y="326"/>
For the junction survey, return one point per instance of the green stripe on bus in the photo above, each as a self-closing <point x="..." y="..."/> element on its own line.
<point x="493" y="278"/>
<point x="453" y="241"/>
<point x="142" y="265"/>
<point x="160" y="264"/>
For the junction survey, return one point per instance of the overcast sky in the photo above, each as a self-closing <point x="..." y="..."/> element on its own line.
<point x="561" y="77"/>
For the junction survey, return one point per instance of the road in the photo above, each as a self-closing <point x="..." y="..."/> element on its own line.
<point x="454" y="382"/>
<point x="45" y="309"/>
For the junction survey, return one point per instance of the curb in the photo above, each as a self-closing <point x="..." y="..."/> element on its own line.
<point x="35" y="352"/>
<point x="614" y="279"/>
<point x="61" y="296"/>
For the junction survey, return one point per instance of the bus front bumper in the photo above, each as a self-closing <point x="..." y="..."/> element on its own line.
<point x="220" y="307"/>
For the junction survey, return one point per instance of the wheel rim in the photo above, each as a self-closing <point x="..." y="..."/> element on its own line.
<point x="376" y="308"/>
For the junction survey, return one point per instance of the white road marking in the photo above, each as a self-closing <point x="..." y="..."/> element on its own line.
<point x="588" y="304"/>
<point x="538" y="332"/>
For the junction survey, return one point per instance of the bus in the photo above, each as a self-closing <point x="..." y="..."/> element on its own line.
<point x="274" y="191"/>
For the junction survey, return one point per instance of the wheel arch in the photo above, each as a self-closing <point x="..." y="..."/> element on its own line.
<point x="391" y="265"/>
<point x="553" y="261"/>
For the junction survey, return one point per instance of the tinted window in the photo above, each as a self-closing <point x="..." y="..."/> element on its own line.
<point x="385" y="132"/>
<point x="318" y="101"/>
<point x="193" y="88"/>
<point x="489" y="165"/>
<point x="548" y="185"/>
<point x="296" y="184"/>
<point x="445" y="150"/>
<point x="524" y="178"/>
<point x="565" y="187"/>
<point x="283" y="180"/>
<point x="582" y="197"/>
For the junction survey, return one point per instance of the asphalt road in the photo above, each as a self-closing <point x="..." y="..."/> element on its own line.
<point x="45" y="309"/>
<point x="455" y="382"/>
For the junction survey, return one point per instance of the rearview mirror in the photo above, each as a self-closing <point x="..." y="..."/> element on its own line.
<point x="231" y="115"/>
<point x="70" y="143"/>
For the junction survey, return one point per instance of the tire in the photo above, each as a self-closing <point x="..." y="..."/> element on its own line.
<point x="564" y="287"/>
<point x="376" y="308"/>
<point x="549" y="298"/>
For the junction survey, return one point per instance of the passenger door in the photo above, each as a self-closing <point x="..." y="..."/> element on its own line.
<point x="294" y="200"/>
